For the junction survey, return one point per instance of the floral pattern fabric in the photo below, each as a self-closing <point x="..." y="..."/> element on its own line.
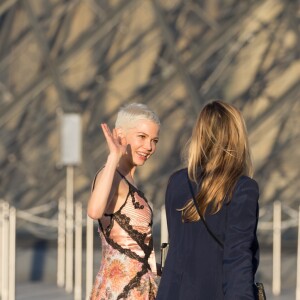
<point x="116" y="271"/>
<point x="128" y="267"/>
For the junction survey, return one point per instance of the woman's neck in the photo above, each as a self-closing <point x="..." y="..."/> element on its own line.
<point x="126" y="169"/>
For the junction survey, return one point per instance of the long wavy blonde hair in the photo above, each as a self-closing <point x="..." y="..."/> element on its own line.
<point x="218" y="154"/>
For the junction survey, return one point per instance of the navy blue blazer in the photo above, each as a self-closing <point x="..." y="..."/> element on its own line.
<point x="196" y="266"/>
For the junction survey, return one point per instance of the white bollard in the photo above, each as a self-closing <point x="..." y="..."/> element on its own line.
<point x="89" y="256"/>
<point x="69" y="229"/>
<point x="276" y="285"/>
<point x="5" y="251"/>
<point x="298" y="261"/>
<point x="12" y="254"/>
<point x="164" y="237"/>
<point x="78" y="252"/>
<point x="61" y="243"/>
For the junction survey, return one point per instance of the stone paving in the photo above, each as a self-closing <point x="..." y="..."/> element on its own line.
<point x="41" y="291"/>
<point x="44" y="291"/>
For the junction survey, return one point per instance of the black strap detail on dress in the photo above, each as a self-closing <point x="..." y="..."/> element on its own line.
<point x="127" y="252"/>
<point x="123" y="176"/>
<point x="135" y="203"/>
<point x="134" y="282"/>
<point x="201" y="216"/>
<point x="138" y="237"/>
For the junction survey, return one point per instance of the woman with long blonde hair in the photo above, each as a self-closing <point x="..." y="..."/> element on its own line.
<point x="212" y="213"/>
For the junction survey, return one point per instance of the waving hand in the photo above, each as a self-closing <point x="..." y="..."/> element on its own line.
<point x="116" y="145"/>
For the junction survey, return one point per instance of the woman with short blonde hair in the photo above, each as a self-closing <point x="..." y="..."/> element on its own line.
<point x="128" y="267"/>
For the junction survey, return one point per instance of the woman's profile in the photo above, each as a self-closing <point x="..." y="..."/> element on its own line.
<point x="128" y="267"/>
<point x="213" y="247"/>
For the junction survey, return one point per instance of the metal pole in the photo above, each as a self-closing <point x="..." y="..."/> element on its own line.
<point x="276" y="286"/>
<point x="12" y="254"/>
<point x="61" y="242"/>
<point x="69" y="229"/>
<point x="298" y="261"/>
<point x="89" y="256"/>
<point x="5" y="252"/>
<point x="163" y="226"/>
<point x="78" y="252"/>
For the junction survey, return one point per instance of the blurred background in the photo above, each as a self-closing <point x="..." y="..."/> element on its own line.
<point x="90" y="57"/>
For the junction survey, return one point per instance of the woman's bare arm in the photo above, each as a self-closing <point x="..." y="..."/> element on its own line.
<point x="105" y="187"/>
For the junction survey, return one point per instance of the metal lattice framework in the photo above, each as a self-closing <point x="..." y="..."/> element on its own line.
<point x="92" y="56"/>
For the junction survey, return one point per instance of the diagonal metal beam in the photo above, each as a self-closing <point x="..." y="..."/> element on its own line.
<point x="4" y="37"/>
<point x="22" y="101"/>
<point x="63" y="29"/>
<point x="63" y="61"/>
<point x="185" y="77"/>
<point x="7" y="5"/>
<point x="207" y="19"/>
<point x="6" y="31"/>
<point x="94" y="36"/>
<point x="46" y="53"/>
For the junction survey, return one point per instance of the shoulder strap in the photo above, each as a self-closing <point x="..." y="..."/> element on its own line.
<point x="198" y="210"/>
<point x="123" y="177"/>
<point x="94" y="181"/>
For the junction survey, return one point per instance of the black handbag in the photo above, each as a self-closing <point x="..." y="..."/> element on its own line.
<point x="261" y="295"/>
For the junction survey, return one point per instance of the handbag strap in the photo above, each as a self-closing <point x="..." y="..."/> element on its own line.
<point x="198" y="210"/>
<point x="260" y="287"/>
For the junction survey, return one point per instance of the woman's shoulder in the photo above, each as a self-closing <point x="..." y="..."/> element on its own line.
<point x="247" y="182"/>
<point x="245" y="191"/>
<point x="178" y="175"/>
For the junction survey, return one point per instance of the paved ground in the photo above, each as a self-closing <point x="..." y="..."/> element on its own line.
<point x="284" y="296"/>
<point x="29" y="267"/>
<point x="44" y="291"/>
<point x="40" y="291"/>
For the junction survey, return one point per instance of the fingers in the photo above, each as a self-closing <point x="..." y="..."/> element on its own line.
<point x="106" y="130"/>
<point x="110" y="136"/>
<point x="107" y="133"/>
<point x="104" y="127"/>
<point x="114" y="134"/>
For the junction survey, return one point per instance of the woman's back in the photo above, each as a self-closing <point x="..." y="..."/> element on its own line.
<point x="196" y="266"/>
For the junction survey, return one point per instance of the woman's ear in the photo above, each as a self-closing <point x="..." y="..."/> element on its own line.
<point x="121" y="135"/>
<point x="120" y="132"/>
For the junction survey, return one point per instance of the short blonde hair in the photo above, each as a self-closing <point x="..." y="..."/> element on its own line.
<point x="130" y="113"/>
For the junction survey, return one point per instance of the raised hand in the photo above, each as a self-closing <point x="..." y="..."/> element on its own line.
<point x="117" y="145"/>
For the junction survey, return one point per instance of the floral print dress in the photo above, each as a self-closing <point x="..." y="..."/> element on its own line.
<point x="128" y="267"/>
